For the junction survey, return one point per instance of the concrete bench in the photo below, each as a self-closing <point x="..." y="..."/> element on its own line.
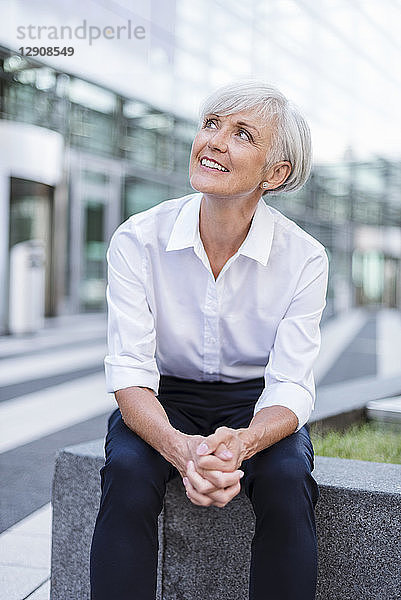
<point x="358" y="522"/>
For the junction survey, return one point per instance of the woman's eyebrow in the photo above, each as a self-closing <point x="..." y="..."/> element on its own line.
<point x="248" y="125"/>
<point x="237" y="123"/>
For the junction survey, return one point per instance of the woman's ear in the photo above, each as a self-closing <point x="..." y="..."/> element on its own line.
<point x="276" y="175"/>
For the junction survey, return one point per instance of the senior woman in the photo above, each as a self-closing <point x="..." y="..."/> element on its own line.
<point x="214" y="306"/>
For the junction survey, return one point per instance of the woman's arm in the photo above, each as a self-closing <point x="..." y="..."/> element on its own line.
<point x="143" y="413"/>
<point x="269" y="426"/>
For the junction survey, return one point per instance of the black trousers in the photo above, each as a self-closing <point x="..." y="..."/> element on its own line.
<point x="277" y="480"/>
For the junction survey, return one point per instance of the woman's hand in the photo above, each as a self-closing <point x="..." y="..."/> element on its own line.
<point x="224" y="441"/>
<point x="203" y="493"/>
<point x="205" y="487"/>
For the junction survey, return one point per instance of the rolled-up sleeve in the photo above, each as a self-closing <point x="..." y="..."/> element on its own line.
<point x="131" y="334"/>
<point x="288" y="375"/>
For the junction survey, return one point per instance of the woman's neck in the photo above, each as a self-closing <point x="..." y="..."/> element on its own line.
<point x="224" y="224"/>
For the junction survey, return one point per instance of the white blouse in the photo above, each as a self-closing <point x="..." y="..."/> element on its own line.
<point x="168" y="315"/>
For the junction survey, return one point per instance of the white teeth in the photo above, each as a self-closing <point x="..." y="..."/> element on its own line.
<point x="212" y="164"/>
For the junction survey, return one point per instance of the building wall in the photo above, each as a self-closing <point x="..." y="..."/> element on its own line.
<point x="334" y="59"/>
<point x="115" y="156"/>
<point x="31" y="153"/>
<point x="129" y="111"/>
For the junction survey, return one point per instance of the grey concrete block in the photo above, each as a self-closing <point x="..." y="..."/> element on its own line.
<point x="75" y="500"/>
<point x="205" y="552"/>
<point x="358" y="522"/>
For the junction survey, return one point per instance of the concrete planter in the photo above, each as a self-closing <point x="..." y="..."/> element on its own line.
<point x="358" y="522"/>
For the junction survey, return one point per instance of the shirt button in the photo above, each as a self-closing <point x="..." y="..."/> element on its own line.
<point x="211" y="340"/>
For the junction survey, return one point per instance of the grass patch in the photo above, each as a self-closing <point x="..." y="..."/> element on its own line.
<point x="371" y="441"/>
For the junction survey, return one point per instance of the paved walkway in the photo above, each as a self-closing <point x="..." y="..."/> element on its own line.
<point x="52" y="395"/>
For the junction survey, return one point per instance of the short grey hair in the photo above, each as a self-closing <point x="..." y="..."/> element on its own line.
<point x="291" y="138"/>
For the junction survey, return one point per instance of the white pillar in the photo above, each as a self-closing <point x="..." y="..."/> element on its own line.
<point x="4" y="236"/>
<point x="27" y="152"/>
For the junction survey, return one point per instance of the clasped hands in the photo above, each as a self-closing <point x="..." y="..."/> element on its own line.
<point x="211" y="476"/>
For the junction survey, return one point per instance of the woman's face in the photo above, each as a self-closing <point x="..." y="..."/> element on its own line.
<point x="239" y="143"/>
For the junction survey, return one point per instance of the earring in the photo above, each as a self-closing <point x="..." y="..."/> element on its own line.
<point x="265" y="185"/>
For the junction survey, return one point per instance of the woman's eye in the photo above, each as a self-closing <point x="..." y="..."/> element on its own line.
<point x="247" y="135"/>
<point x="243" y="133"/>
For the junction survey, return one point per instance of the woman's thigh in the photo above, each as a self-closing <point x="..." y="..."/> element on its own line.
<point x="283" y="468"/>
<point x="130" y="459"/>
<point x="134" y="476"/>
<point x="128" y="455"/>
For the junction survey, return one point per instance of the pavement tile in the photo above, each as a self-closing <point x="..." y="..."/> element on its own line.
<point x="25" y="550"/>
<point x="62" y="406"/>
<point x="17" y="582"/>
<point x="38" y="523"/>
<point x="43" y="593"/>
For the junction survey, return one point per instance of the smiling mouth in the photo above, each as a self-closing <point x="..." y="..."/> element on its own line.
<point x="211" y="164"/>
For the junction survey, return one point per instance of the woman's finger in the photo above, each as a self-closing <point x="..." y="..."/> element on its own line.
<point x="211" y="480"/>
<point x="224" y="496"/>
<point x="223" y="452"/>
<point x="212" y="462"/>
<point x="222" y="480"/>
<point x="219" y="498"/>
<point x="195" y="496"/>
<point x="202" y="485"/>
<point x="209" y="445"/>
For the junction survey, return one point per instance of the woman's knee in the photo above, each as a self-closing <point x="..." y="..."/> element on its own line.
<point x="282" y="481"/>
<point x="287" y="472"/>
<point x="285" y="466"/>
<point x="134" y="475"/>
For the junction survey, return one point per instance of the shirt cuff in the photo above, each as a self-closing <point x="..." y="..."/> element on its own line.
<point x="119" y="377"/>
<point x="290" y="395"/>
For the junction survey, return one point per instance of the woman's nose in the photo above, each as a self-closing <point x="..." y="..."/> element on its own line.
<point x="219" y="140"/>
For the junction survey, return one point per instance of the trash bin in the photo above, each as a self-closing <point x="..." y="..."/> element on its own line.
<point x="27" y="287"/>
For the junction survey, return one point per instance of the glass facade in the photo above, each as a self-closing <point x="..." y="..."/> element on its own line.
<point x="124" y="155"/>
<point x="354" y="209"/>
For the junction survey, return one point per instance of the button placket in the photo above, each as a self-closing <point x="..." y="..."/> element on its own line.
<point x="211" y="347"/>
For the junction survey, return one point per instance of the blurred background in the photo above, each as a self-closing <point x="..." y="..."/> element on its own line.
<point x="94" y="135"/>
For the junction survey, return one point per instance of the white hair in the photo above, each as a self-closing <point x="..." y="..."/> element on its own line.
<point x="291" y="139"/>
